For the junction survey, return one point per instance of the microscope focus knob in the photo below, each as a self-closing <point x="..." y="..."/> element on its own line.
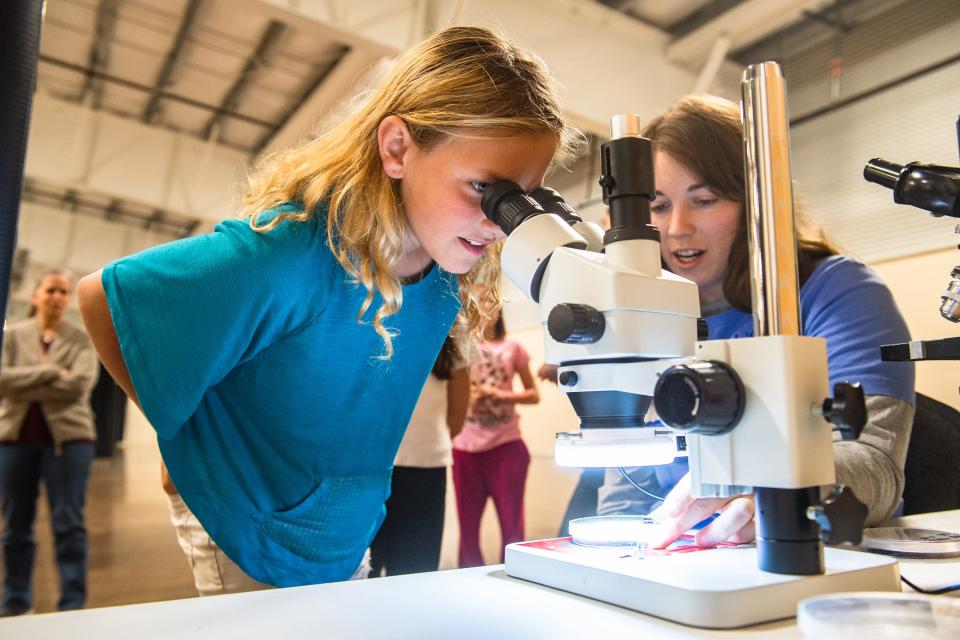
<point x="575" y="323"/>
<point x="841" y="517"/>
<point x="847" y="409"/>
<point x="700" y="397"/>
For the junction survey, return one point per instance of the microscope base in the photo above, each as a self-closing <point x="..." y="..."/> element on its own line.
<point x="717" y="588"/>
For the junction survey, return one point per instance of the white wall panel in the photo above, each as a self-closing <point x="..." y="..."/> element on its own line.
<point x="126" y="159"/>
<point x="57" y="238"/>
<point x="914" y="121"/>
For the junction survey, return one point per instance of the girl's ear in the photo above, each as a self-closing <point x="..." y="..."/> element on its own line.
<point x="394" y="142"/>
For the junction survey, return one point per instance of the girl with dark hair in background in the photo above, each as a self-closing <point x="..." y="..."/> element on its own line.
<point x="490" y="459"/>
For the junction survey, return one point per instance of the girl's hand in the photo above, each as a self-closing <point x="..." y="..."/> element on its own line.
<point x="548" y="372"/>
<point x="489" y="391"/>
<point x="680" y="511"/>
<point x="475" y="394"/>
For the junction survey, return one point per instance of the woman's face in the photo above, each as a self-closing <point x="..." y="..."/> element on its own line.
<point x="441" y="190"/>
<point x="697" y="228"/>
<point x="51" y="296"/>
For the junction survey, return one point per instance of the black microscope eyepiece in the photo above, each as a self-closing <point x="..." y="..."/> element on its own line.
<point x="507" y="205"/>
<point x="882" y="172"/>
<point x="553" y="202"/>
<point x="925" y="186"/>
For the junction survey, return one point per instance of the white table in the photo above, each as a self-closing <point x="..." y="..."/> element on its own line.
<point x="467" y="603"/>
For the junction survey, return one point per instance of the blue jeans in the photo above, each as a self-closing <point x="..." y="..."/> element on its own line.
<point x="65" y="476"/>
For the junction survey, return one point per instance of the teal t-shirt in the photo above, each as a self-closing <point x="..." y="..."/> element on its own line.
<point x="276" y="418"/>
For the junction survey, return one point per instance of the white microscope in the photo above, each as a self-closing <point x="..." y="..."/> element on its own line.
<point x="754" y="415"/>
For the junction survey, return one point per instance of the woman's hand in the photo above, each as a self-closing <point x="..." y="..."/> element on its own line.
<point x="680" y="511"/>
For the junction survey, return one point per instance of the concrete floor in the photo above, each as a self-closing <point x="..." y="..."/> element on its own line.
<point x="134" y="556"/>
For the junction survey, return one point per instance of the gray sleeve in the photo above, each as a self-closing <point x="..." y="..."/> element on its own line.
<point x="618" y="497"/>
<point x="872" y="466"/>
<point x="16" y="379"/>
<point x="84" y="371"/>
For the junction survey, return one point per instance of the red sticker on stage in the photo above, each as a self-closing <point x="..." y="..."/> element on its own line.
<point x="558" y="545"/>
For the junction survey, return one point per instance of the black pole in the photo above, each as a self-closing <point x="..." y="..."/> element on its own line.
<point x="787" y="540"/>
<point x="19" y="47"/>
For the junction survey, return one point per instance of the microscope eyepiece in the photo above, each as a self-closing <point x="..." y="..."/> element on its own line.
<point x="553" y="202"/>
<point x="507" y="205"/>
<point x="926" y="186"/>
<point x="882" y="172"/>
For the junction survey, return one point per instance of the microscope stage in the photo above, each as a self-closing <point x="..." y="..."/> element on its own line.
<point x="719" y="588"/>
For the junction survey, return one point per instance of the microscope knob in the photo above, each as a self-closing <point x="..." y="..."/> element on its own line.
<point x="703" y="329"/>
<point x="841" y="517"/>
<point x="575" y="324"/>
<point x="701" y="397"/>
<point x="846" y="409"/>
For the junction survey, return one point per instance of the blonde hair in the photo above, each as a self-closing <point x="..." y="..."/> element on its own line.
<point x="462" y="81"/>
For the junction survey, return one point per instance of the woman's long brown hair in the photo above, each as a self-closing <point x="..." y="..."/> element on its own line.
<point x="705" y="135"/>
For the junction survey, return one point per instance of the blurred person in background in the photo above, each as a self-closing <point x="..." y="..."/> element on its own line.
<point x="490" y="459"/>
<point x="46" y="433"/>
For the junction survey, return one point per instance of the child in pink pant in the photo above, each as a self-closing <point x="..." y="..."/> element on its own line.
<point x="490" y="459"/>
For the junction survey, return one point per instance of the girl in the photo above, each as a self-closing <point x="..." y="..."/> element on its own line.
<point x="280" y="357"/>
<point x="46" y="432"/>
<point x="489" y="456"/>
<point x="699" y="211"/>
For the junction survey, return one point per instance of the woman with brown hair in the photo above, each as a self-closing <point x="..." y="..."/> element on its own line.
<point x="699" y="210"/>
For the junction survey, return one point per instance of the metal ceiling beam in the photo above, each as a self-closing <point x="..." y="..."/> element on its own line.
<point x="113" y="211"/>
<point x="619" y="5"/>
<point x="351" y="74"/>
<point x="99" y="56"/>
<point x="97" y="75"/>
<point x="156" y="218"/>
<point x="267" y="40"/>
<point x="832" y="17"/>
<point x="743" y="21"/>
<point x="170" y="62"/>
<point x="701" y="17"/>
<point x="335" y="59"/>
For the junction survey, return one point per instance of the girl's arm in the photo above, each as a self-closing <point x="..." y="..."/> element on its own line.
<point x="529" y="395"/>
<point x="458" y="400"/>
<point x="92" y="301"/>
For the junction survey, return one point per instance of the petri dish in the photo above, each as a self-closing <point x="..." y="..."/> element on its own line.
<point x="612" y="531"/>
<point x="911" y="542"/>
<point x="879" y="616"/>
